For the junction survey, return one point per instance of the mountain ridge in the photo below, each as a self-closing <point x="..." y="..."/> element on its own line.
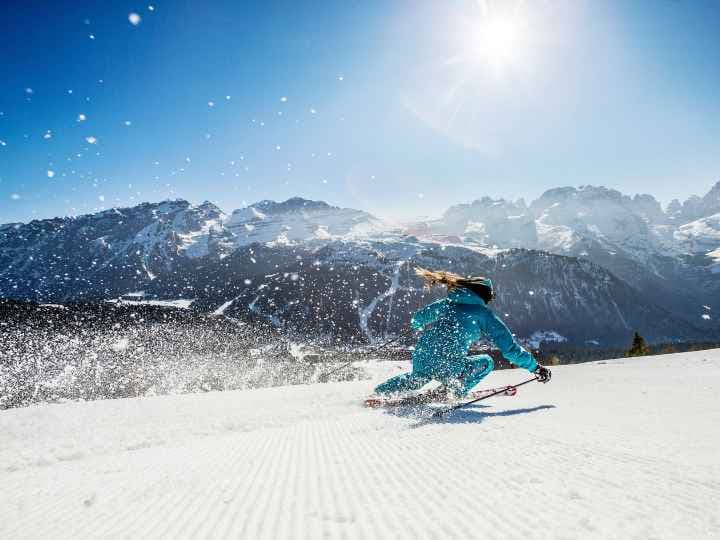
<point x="171" y="249"/>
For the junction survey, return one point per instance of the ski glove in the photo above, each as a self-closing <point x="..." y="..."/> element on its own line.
<point x="543" y="374"/>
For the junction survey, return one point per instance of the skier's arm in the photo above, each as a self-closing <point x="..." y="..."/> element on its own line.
<point x="427" y="315"/>
<point x="510" y="349"/>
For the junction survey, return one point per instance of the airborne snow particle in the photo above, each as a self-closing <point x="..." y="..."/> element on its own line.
<point x="14" y="196"/>
<point x="227" y="97"/>
<point x="91" y="139"/>
<point x="283" y="99"/>
<point x="120" y="345"/>
<point x="2" y="143"/>
<point x="211" y="103"/>
<point x="706" y="316"/>
<point x="531" y="293"/>
<point x="277" y="147"/>
<point x="127" y="123"/>
<point x="50" y="173"/>
<point x="312" y="111"/>
<point x="48" y="135"/>
<point x="92" y="36"/>
<point x="151" y="8"/>
<point x="421" y="195"/>
<point x="101" y="198"/>
<point x="134" y="19"/>
<point x="248" y="282"/>
<point x="341" y="78"/>
<point x="29" y="91"/>
<point x="81" y="117"/>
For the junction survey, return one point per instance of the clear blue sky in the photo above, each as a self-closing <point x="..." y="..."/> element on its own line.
<point x="397" y="107"/>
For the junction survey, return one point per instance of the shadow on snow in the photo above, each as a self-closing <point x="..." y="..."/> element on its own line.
<point x="470" y="414"/>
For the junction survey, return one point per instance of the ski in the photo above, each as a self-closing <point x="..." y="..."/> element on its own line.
<point x="442" y="412"/>
<point x="434" y="396"/>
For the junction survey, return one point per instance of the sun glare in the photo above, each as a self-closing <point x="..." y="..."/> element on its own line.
<point x="498" y="41"/>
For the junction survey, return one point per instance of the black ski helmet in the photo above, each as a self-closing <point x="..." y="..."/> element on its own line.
<point x="481" y="286"/>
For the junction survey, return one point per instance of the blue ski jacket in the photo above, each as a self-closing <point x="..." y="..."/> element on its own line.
<point x="457" y="322"/>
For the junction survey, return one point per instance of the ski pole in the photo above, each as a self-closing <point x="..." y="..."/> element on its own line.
<point x="324" y="376"/>
<point x="442" y="412"/>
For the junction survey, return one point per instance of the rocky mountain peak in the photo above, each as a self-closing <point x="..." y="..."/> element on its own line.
<point x="294" y="204"/>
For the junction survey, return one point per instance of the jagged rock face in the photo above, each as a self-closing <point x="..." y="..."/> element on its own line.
<point x="576" y="220"/>
<point x="649" y="209"/>
<point x="696" y="207"/>
<point x="104" y="253"/>
<point x="569" y="218"/>
<point x="489" y="222"/>
<point x="296" y="220"/>
<point x="563" y="220"/>
<point x="701" y="236"/>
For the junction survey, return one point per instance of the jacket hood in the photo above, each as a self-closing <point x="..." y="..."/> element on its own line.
<point x="461" y="295"/>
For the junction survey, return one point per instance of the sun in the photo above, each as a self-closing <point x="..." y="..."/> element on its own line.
<point x="500" y="38"/>
<point x="498" y="41"/>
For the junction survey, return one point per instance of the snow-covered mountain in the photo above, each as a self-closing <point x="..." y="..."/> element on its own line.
<point x="563" y="220"/>
<point x="671" y="255"/>
<point x="696" y="207"/>
<point x="97" y="253"/>
<point x="298" y="220"/>
<point x="701" y="236"/>
<point x="308" y="266"/>
<point x="488" y="222"/>
<point x="569" y="220"/>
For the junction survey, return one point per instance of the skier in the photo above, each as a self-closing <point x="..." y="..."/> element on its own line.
<point x="458" y="321"/>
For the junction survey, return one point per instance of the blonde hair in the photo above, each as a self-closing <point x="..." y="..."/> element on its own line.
<point x="440" y="277"/>
<point x="479" y="285"/>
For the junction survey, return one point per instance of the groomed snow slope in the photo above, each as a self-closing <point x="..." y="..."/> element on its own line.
<point x="617" y="449"/>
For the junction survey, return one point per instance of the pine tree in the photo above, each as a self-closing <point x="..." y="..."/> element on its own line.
<point x="639" y="346"/>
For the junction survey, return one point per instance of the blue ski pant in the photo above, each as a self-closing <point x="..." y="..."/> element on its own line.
<point x="469" y="373"/>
